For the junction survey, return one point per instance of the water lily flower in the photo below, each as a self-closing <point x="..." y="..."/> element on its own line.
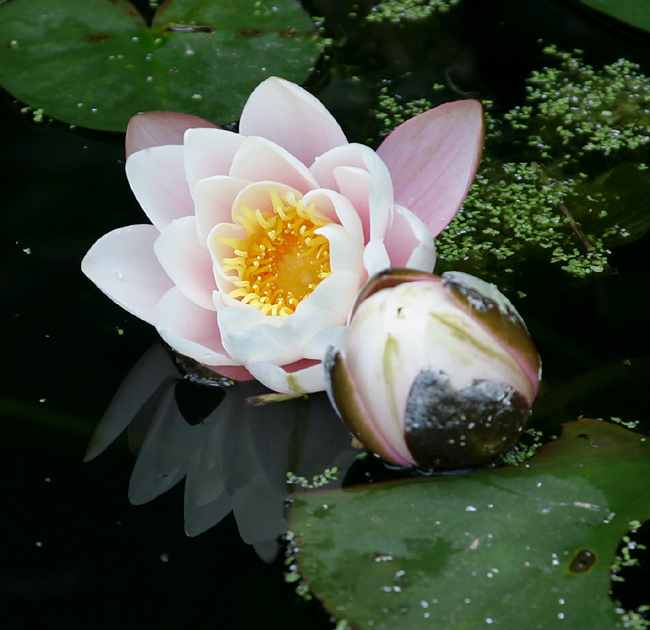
<point x="260" y="240"/>
<point x="434" y="372"/>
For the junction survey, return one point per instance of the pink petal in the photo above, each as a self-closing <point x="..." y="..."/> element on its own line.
<point x="187" y="264"/>
<point x="191" y="330"/>
<point x="258" y="159"/>
<point x="433" y="158"/>
<point x="236" y="373"/>
<point x="209" y="152"/>
<point x="123" y="265"/>
<point x="157" y="178"/>
<point x="153" y="129"/>
<point x="409" y="243"/>
<point x="283" y="112"/>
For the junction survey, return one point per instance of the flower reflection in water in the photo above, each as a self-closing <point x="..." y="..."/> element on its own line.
<point x="234" y="456"/>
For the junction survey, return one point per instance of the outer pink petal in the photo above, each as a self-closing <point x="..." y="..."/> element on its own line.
<point x="258" y="159"/>
<point x="290" y="116"/>
<point x="209" y="152"/>
<point x="187" y="264"/>
<point x="157" y="178"/>
<point x="123" y="265"/>
<point x="190" y="329"/>
<point x="154" y="129"/>
<point x="433" y="158"/>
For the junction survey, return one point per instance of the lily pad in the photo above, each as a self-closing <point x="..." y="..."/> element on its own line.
<point x="96" y="63"/>
<point x="514" y="547"/>
<point x="634" y="12"/>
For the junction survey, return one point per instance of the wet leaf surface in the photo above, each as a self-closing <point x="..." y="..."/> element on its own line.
<point x="96" y="63"/>
<point x="502" y="546"/>
<point x="634" y="12"/>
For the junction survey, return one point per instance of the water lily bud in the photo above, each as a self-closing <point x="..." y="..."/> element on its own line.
<point x="434" y="372"/>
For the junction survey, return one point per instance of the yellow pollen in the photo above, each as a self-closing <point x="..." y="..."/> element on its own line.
<point x="282" y="259"/>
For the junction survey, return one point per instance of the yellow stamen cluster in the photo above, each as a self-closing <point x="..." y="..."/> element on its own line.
<point x="282" y="259"/>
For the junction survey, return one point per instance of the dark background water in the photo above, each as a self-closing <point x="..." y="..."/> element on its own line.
<point x="75" y="553"/>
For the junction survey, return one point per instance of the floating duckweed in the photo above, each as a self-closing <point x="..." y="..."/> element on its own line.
<point x="317" y="481"/>
<point x="408" y="10"/>
<point x="580" y="185"/>
<point x="524" y="449"/>
<point x="628" y="424"/>
<point x="292" y="576"/>
<point x="393" y="110"/>
<point x="635" y="620"/>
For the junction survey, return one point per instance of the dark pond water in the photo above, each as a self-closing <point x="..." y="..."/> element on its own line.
<point x="75" y="552"/>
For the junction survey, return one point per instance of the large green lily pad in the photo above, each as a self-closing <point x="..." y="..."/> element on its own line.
<point x="524" y="547"/>
<point x="96" y="62"/>
<point x="634" y="12"/>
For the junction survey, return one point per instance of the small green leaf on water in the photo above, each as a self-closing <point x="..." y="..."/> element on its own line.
<point x="96" y="63"/>
<point x="519" y="547"/>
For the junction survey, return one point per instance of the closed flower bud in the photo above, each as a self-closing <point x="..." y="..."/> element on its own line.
<point x="434" y="372"/>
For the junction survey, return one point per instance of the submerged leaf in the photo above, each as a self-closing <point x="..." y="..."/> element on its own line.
<point x="96" y="63"/>
<point x="528" y="546"/>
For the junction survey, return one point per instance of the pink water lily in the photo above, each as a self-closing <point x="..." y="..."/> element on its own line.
<point x="260" y="240"/>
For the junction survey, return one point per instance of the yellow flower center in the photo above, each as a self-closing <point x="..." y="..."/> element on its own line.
<point x="282" y="259"/>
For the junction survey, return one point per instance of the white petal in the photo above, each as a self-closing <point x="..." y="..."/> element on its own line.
<point x="332" y="299"/>
<point x="375" y="257"/>
<point x="258" y="159"/>
<point x="123" y="265"/>
<point x="409" y="242"/>
<point x="191" y="329"/>
<point x="346" y="252"/>
<point x="249" y="336"/>
<point x="356" y="156"/>
<point x="157" y="178"/>
<point x="209" y="152"/>
<point x="257" y="196"/>
<point x="337" y="208"/>
<point x="214" y="198"/>
<point x="303" y="381"/>
<point x="374" y="208"/>
<point x="187" y="264"/>
<point x="291" y="117"/>
<point x="316" y="347"/>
